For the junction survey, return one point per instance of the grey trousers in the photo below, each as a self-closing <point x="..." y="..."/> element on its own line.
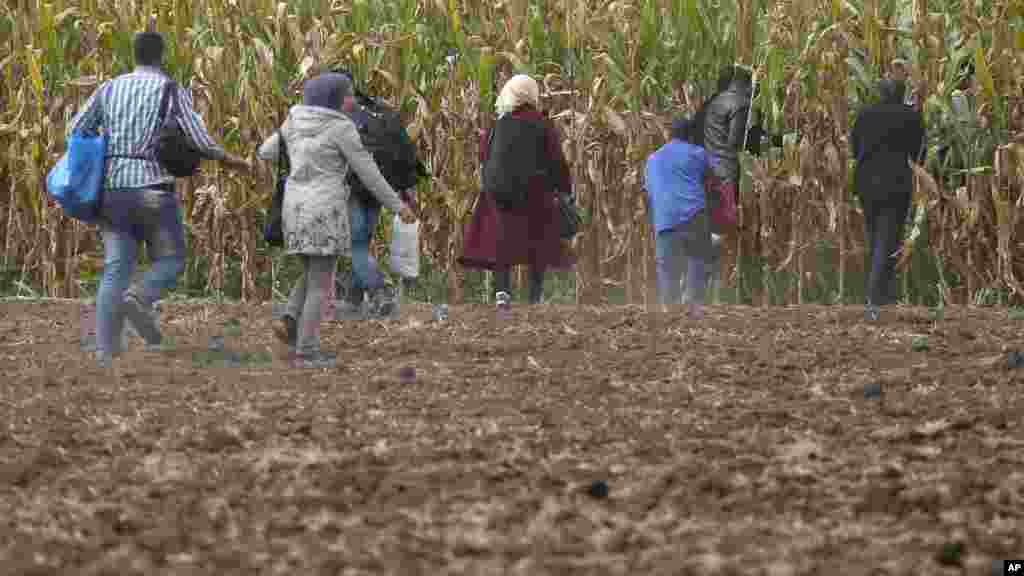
<point x="712" y="273"/>
<point x="305" y="304"/>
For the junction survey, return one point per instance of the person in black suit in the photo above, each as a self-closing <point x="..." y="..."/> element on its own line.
<point x="885" y="137"/>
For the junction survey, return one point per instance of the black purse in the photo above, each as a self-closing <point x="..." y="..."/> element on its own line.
<point x="570" y="216"/>
<point x="273" y="232"/>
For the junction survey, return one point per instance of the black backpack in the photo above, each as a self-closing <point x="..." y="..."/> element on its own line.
<point x="385" y="137"/>
<point x="172" y="147"/>
<point x="516" y="152"/>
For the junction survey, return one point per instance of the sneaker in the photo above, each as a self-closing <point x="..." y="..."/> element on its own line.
<point x="142" y="321"/>
<point x="871" y="313"/>
<point x="503" y="300"/>
<point x="694" y="311"/>
<point x="314" y="361"/>
<point x="286" y="329"/>
<point x="382" y="304"/>
<point x="104" y="360"/>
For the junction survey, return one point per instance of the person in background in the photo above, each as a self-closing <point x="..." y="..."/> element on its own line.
<point x="498" y="239"/>
<point x="674" y="179"/>
<point x="724" y="131"/>
<point x="367" y="281"/>
<point x="140" y="203"/>
<point x="885" y="137"/>
<point x="323" y="145"/>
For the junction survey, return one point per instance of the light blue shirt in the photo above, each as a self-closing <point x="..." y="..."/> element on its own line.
<point x="674" y="179"/>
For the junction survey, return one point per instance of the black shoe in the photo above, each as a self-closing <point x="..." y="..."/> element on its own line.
<point x="287" y="330"/>
<point x="143" y="320"/>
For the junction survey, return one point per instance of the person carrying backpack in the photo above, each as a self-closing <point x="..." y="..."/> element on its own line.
<point x="518" y="218"/>
<point x="323" y="147"/>
<point x="383" y="134"/>
<point x="139" y="199"/>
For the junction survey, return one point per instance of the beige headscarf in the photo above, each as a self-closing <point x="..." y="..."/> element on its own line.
<point x="520" y="89"/>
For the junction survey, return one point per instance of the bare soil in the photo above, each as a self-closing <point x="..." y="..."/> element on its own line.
<point x="742" y="444"/>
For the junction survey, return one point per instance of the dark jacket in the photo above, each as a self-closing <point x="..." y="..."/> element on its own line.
<point x="884" y="137"/>
<point x="754" y="135"/>
<point x="725" y="126"/>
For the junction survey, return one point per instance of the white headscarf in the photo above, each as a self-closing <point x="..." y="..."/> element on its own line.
<point x="520" y="89"/>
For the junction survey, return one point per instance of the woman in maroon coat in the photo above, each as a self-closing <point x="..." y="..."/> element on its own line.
<point x="497" y="239"/>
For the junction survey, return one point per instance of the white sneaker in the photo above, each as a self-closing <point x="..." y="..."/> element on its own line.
<point x="503" y="300"/>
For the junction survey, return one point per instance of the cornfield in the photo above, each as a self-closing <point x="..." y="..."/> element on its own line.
<point x="613" y="75"/>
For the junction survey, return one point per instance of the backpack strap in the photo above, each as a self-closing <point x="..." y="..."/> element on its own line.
<point x="166" y="96"/>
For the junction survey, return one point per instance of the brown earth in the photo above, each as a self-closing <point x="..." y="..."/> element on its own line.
<point x="743" y="444"/>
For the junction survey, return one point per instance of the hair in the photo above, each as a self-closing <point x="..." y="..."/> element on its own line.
<point x="892" y="91"/>
<point x="681" y="128"/>
<point x="742" y="76"/>
<point x="725" y="75"/>
<point x="148" y="48"/>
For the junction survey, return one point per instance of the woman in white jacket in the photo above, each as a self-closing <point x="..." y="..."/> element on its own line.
<point x="322" y="145"/>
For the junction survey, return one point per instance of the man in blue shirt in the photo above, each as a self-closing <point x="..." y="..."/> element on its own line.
<point x="674" y="179"/>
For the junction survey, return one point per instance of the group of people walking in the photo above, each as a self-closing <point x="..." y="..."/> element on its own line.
<point x="686" y="181"/>
<point x="140" y="203"/>
<point x="699" y="167"/>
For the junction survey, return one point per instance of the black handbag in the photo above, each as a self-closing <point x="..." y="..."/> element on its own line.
<point x="273" y="231"/>
<point x="570" y="216"/>
<point x="173" y="148"/>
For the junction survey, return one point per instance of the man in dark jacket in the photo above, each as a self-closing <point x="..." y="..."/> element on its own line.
<point x="885" y="137"/>
<point x="696" y="135"/>
<point x="726" y="125"/>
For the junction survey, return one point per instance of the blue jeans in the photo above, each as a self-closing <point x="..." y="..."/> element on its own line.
<point x="689" y="242"/>
<point x="363" y="223"/>
<point x="157" y="222"/>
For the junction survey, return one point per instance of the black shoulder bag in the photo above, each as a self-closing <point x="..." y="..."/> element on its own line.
<point x="173" y="148"/>
<point x="273" y="232"/>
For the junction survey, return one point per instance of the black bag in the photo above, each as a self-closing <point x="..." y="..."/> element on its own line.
<point x="172" y="147"/>
<point x="273" y="232"/>
<point x="516" y="152"/>
<point x="382" y="133"/>
<point x="570" y="216"/>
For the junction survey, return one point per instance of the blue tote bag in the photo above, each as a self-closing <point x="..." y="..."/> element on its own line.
<point x="76" y="182"/>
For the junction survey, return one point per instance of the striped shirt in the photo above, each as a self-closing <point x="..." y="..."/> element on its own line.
<point x="126" y="108"/>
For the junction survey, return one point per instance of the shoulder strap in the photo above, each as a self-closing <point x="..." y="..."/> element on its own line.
<point x="161" y="116"/>
<point x="166" y="100"/>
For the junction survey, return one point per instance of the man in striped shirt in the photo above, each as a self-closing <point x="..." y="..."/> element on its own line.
<point x="139" y="200"/>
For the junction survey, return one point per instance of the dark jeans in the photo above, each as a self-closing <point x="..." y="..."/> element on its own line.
<point x="503" y="282"/>
<point x="883" y="223"/>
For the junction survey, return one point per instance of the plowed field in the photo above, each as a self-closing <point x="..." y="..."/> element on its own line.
<point x="751" y="442"/>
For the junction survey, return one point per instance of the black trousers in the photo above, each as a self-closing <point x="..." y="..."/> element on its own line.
<point x="503" y="282"/>
<point x="884" y="219"/>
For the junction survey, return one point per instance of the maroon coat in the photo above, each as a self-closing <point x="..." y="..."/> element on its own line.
<point x="496" y="238"/>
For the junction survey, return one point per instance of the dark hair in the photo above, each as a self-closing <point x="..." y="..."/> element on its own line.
<point x="725" y="75"/>
<point x="742" y="76"/>
<point x="681" y="128"/>
<point x="892" y="91"/>
<point x="148" y="49"/>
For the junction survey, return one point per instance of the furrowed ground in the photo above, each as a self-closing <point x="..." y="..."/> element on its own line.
<point x="740" y="445"/>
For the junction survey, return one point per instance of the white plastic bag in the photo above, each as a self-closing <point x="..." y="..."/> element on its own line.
<point x="405" y="248"/>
